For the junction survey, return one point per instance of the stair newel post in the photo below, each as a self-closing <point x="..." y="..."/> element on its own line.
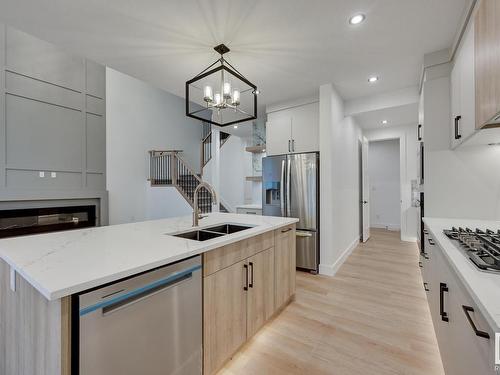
<point x="173" y="161"/>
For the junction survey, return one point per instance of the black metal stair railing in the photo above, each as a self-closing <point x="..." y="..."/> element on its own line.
<point x="166" y="168"/>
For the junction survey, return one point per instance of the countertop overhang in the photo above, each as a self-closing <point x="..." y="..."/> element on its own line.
<point x="64" y="263"/>
<point x="484" y="287"/>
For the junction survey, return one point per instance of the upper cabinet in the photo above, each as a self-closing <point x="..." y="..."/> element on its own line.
<point x="293" y="130"/>
<point x="462" y="91"/>
<point x="487" y="63"/>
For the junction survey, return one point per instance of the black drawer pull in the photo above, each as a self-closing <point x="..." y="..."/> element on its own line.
<point x="420" y="264"/>
<point x="245" y="266"/>
<point x="426" y="287"/>
<point x="426" y="255"/>
<point x="431" y="242"/>
<point x="286" y="230"/>
<point x="467" y="310"/>
<point x="444" y="315"/>
<point x="251" y="275"/>
<point x="457" y="127"/>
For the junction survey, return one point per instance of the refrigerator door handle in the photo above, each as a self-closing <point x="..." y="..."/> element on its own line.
<point x="288" y="203"/>
<point x="282" y="189"/>
<point x="303" y="234"/>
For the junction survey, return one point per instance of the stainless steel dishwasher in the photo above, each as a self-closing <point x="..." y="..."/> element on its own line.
<point x="149" y="324"/>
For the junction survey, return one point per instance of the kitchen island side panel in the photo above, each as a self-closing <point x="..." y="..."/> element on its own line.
<point x="31" y="330"/>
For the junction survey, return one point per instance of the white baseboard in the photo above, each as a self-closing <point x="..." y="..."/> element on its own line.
<point x="331" y="269"/>
<point x="394" y="227"/>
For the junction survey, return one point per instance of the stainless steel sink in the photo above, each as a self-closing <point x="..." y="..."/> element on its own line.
<point x="199" y="235"/>
<point x="227" y="228"/>
<point x="212" y="232"/>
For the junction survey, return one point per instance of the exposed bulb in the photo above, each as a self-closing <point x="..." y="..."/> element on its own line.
<point x="208" y="94"/>
<point x="236" y="97"/>
<point x="218" y="99"/>
<point x="226" y="90"/>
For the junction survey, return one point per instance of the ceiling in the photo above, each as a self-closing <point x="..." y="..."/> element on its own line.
<point x="287" y="47"/>
<point x="399" y="115"/>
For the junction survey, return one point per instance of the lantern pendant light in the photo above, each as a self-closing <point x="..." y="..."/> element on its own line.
<point x="220" y="94"/>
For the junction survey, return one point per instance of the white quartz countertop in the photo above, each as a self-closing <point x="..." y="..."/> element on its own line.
<point x="63" y="263"/>
<point x="484" y="287"/>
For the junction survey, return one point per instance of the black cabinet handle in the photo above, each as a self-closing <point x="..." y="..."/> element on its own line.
<point x="444" y="315"/>
<point x="245" y="266"/>
<point x="289" y="145"/>
<point x="431" y="242"/>
<point x="293" y="145"/>
<point x="426" y="287"/>
<point x="286" y="230"/>
<point x="467" y="310"/>
<point x="251" y="275"/>
<point x="420" y="264"/>
<point x="457" y="127"/>
<point x="426" y="256"/>
<point x="426" y="231"/>
<point x="419" y="132"/>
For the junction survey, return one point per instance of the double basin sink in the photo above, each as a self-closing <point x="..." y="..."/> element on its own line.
<point x="212" y="232"/>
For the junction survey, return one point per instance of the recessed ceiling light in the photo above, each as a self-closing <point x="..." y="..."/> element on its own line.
<point x="384" y="122"/>
<point x="373" y="79"/>
<point x="357" y="19"/>
<point x="235" y="126"/>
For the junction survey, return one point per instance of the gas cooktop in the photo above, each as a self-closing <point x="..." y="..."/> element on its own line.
<point x="482" y="247"/>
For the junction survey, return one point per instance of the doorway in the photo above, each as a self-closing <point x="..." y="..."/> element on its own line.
<point x="385" y="184"/>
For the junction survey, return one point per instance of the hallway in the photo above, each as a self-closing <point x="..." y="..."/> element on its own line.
<point x="371" y="318"/>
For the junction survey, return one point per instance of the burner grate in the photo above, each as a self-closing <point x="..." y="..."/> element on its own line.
<point x="482" y="247"/>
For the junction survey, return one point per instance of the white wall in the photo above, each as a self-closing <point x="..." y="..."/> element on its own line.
<point x="140" y="117"/>
<point x="464" y="183"/>
<point x="384" y="177"/>
<point x="339" y="181"/>
<point x="234" y="165"/>
<point x="408" y="171"/>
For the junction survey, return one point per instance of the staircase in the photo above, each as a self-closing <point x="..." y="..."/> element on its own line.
<point x="206" y="143"/>
<point x="166" y="168"/>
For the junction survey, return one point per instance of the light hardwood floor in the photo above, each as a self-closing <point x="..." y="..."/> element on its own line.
<point x="371" y="318"/>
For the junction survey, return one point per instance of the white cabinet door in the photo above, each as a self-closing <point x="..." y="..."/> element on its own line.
<point x="305" y="128"/>
<point x="455" y="87"/>
<point x="467" y="122"/>
<point x="463" y="352"/>
<point x="278" y="135"/>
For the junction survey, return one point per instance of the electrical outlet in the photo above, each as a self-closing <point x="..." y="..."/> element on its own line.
<point x="53" y="174"/>
<point x="41" y="174"/>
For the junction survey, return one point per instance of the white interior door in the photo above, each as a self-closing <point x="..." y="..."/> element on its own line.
<point x="366" y="191"/>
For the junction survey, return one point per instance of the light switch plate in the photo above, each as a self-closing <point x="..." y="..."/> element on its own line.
<point x="53" y="174"/>
<point x="41" y="174"/>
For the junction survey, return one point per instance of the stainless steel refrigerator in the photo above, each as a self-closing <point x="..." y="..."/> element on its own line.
<point x="291" y="189"/>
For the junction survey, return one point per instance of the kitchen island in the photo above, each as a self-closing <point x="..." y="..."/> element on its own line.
<point x="39" y="274"/>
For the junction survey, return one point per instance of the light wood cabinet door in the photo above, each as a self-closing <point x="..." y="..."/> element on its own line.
<point x="224" y="315"/>
<point x="487" y="61"/>
<point x="284" y="260"/>
<point x="260" y="291"/>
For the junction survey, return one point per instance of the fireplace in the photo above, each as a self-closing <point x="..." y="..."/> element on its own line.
<point x="24" y="221"/>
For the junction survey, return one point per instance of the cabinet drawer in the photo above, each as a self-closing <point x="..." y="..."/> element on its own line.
<point x="225" y="256"/>
<point x="249" y="211"/>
